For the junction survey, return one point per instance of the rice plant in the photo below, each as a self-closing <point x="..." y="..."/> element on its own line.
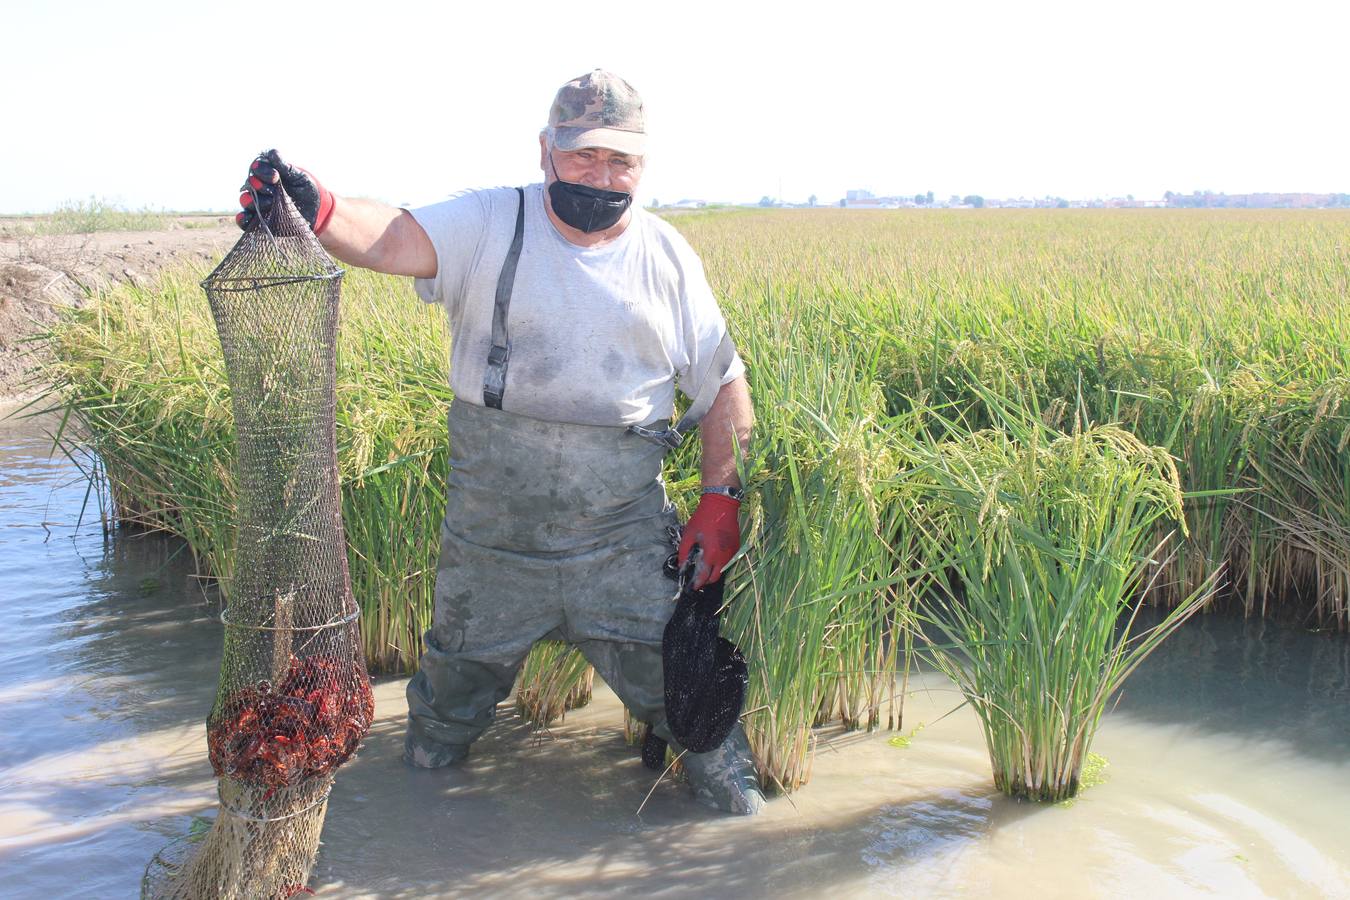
<point x="870" y="340"/>
<point x="1045" y="538"/>
<point x="1302" y="491"/>
<point x="819" y="607"/>
<point x="554" y="679"/>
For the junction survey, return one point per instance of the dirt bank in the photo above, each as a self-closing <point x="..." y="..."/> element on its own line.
<point x="41" y="273"/>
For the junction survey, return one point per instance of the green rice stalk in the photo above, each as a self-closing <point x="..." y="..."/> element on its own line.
<point x="554" y="679"/>
<point x="1044" y="539"/>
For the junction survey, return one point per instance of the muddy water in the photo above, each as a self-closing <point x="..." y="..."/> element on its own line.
<point x="1226" y="765"/>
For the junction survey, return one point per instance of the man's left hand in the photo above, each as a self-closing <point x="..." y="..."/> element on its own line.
<point x="715" y="526"/>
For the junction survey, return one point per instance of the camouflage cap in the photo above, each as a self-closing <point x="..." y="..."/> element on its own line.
<point x="598" y="109"/>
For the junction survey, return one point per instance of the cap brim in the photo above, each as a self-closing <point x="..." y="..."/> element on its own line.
<point x="633" y="142"/>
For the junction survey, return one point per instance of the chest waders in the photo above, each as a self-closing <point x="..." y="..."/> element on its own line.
<point x="552" y="530"/>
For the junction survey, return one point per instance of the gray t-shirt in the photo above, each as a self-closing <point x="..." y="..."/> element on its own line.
<point x="599" y="336"/>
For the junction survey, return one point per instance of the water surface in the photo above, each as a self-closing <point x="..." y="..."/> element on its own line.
<point x="1226" y="767"/>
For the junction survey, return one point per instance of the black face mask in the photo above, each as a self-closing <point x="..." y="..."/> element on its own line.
<point x="586" y="208"/>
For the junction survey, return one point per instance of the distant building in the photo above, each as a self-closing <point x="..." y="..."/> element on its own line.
<point x="859" y="195"/>
<point x="1211" y="200"/>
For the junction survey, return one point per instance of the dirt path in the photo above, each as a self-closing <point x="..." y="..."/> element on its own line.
<point x="41" y="273"/>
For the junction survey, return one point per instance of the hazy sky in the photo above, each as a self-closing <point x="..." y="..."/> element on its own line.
<point x="162" y="104"/>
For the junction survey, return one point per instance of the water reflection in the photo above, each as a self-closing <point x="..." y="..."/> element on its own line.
<point x="93" y="627"/>
<point x="1249" y="677"/>
<point x="103" y="641"/>
<point x="915" y="845"/>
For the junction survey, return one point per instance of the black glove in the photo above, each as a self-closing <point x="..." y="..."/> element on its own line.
<point x="268" y="170"/>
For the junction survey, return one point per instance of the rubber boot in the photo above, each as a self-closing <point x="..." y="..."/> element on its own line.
<point x="425" y="754"/>
<point x="725" y="778"/>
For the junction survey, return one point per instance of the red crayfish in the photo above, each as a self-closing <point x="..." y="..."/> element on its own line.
<point x="308" y="725"/>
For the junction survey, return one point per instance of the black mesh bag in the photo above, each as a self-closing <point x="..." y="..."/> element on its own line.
<point x="705" y="674"/>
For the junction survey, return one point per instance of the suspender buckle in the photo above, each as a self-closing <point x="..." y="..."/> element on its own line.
<point x="494" y="377"/>
<point x="663" y="437"/>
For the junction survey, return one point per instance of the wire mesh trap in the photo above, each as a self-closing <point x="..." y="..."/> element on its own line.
<point x="294" y="698"/>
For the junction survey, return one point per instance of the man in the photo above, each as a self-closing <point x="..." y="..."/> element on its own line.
<point x="573" y="318"/>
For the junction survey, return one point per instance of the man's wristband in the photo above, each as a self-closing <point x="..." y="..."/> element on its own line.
<point x="725" y="490"/>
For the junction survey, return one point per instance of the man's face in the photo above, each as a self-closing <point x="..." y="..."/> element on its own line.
<point x="595" y="167"/>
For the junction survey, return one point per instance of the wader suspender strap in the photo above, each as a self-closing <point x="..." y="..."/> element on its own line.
<point x="494" y="378"/>
<point x="718" y="366"/>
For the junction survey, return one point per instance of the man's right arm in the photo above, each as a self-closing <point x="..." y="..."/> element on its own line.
<point x="363" y="233"/>
<point x="376" y="236"/>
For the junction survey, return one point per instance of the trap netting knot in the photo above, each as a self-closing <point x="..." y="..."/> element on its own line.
<point x="294" y="699"/>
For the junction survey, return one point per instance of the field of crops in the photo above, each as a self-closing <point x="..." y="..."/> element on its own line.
<point x="1004" y="425"/>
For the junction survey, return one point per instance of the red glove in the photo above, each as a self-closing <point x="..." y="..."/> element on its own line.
<point x="715" y="526"/>
<point x="267" y="171"/>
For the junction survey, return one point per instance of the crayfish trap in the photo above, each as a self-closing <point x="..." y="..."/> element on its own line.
<point x="294" y="698"/>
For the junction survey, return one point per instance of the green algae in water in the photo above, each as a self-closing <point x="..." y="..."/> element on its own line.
<point x="1094" y="773"/>
<point x="902" y="741"/>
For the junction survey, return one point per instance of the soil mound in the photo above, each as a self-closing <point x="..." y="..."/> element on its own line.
<point x="40" y="274"/>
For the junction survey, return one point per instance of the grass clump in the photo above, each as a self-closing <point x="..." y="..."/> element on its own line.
<point x="94" y="215"/>
<point x="1046" y="540"/>
<point x="820" y="605"/>
<point x="554" y="679"/>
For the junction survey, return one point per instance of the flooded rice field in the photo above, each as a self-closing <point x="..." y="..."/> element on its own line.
<point x="1224" y="768"/>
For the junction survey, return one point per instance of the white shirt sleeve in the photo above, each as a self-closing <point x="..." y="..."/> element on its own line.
<point x="704" y="325"/>
<point x="456" y="228"/>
